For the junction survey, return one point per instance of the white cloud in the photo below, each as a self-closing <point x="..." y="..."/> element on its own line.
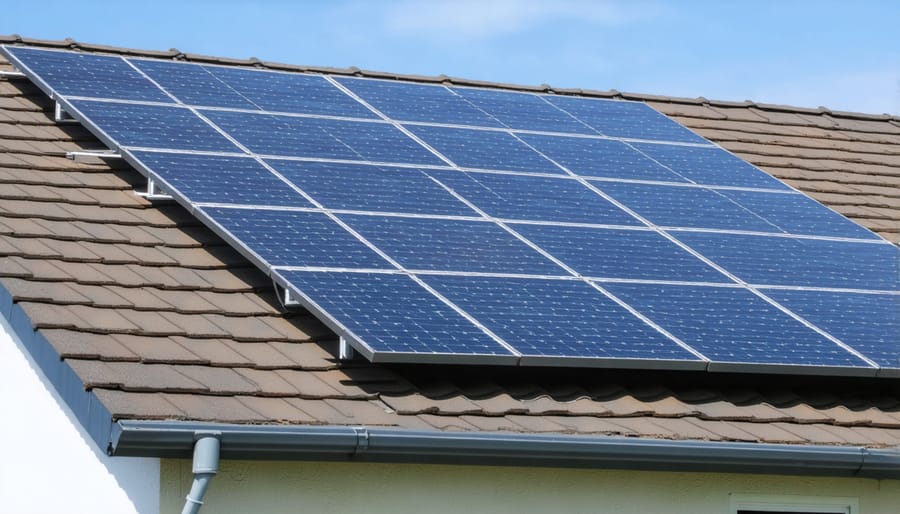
<point x="482" y="19"/>
<point x="868" y="91"/>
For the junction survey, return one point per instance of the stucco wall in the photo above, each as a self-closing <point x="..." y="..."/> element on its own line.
<point x="243" y="486"/>
<point x="47" y="462"/>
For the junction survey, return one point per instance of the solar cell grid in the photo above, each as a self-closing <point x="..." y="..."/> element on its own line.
<point x="798" y="214"/>
<point x="484" y="149"/>
<point x="88" y="75"/>
<point x="800" y="262"/>
<point x="627" y="254"/>
<point x="523" y="111"/>
<point x="591" y="157"/>
<point x="624" y="119"/>
<point x="731" y="325"/>
<point x="290" y="92"/>
<point x="404" y="101"/>
<point x="558" y="318"/>
<point x="192" y="84"/>
<point x="709" y="166"/>
<point x="216" y="179"/>
<point x="366" y="187"/>
<point x="416" y="323"/>
<point x="425" y="216"/>
<point x="296" y="238"/>
<point x="451" y="245"/>
<point x="154" y="126"/>
<point x="533" y="198"/>
<point x="696" y="207"/>
<point x="293" y="136"/>
<point x="866" y="322"/>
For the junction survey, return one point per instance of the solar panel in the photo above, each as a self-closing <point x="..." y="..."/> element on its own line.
<point x="520" y="197"/>
<point x="626" y="254"/>
<point x="409" y="102"/>
<point x="364" y="187"/>
<point x="153" y="126"/>
<point x="708" y="165"/>
<point x="484" y="149"/>
<point x="432" y="223"/>
<point x="558" y="320"/>
<point x="733" y="326"/>
<point x="221" y="179"/>
<point x="593" y="157"/>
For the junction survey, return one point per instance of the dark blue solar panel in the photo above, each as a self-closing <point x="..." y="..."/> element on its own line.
<point x="96" y="76"/>
<point x="412" y="321"/>
<point x="291" y="92"/>
<point x="869" y="323"/>
<point x="624" y="119"/>
<point x="527" y="197"/>
<point x="236" y="180"/>
<point x="192" y="84"/>
<point x="674" y="206"/>
<point x="798" y="214"/>
<point x="561" y="318"/>
<point x="709" y="165"/>
<point x="524" y="111"/>
<point x="733" y="325"/>
<point x="296" y="238"/>
<point x="407" y="101"/>
<point x="372" y="188"/>
<point x="153" y="126"/>
<point x="557" y="318"/>
<point x="606" y="253"/>
<point x="600" y="158"/>
<point x="800" y="262"/>
<point x="484" y="149"/>
<point x="451" y="245"/>
<point x="293" y="136"/>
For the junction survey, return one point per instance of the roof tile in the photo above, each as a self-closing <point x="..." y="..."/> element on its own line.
<point x="85" y="345"/>
<point x="157" y="349"/>
<point x="126" y="404"/>
<point x="219" y="380"/>
<point x="276" y="410"/>
<point x="226" y="409"/>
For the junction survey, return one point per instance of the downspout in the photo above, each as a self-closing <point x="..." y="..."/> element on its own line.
<point x="205" y="467"/>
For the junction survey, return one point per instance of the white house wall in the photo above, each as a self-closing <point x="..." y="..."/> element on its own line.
<point x="47" y="461"/>
<point x="288" y="487"/>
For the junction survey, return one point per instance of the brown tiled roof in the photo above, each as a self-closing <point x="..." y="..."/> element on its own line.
<point x="160" y="319"/>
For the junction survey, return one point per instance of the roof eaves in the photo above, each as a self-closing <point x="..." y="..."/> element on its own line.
<point x="87" y="408"/>
<point x="375" y="444"/>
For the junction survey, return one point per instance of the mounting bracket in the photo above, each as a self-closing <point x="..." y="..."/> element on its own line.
<point x="10" y="74"/>
<point x="153" y="192"/>
<point x="60" y="115"/>
<point x="345" y="351"/>
<point x="288" y="299"/>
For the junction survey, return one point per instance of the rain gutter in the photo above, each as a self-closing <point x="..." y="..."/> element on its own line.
<point x="376" y="444"/>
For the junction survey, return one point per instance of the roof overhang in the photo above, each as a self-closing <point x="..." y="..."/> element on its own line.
<point x="377" y="444"/>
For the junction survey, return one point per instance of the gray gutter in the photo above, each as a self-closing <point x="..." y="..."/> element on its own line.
<point x="372" y="444"/>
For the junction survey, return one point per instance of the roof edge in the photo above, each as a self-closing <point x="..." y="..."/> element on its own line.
<point x="379" y="444"/>
<point x="174" y="53"/>
<point x="94" y="417"/>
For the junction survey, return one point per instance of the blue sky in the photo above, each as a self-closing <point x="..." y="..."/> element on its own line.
<point x="843" y="55"/>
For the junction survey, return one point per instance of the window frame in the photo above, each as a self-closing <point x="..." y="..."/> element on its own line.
<point x="793" y="503"/>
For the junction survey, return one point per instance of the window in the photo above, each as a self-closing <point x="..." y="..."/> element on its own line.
<point x="784" y="504"/>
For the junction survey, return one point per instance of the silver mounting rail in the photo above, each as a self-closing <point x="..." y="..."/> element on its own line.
<point x="91" y="155"/>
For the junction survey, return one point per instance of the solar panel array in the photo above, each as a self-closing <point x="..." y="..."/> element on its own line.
<point x="433" y="223"/>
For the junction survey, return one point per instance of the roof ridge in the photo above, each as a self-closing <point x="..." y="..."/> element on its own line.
<point x="174" y="53"/>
